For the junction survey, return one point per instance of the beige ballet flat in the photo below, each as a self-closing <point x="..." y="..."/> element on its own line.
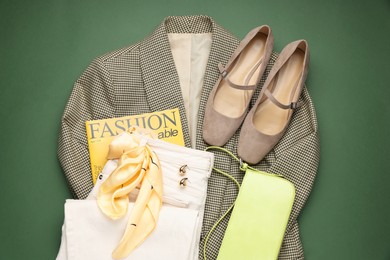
<point x="228" y="102"/>
<point x="269" y="118"/>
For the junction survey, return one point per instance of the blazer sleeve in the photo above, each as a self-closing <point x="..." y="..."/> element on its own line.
<point x="91" y="98"/>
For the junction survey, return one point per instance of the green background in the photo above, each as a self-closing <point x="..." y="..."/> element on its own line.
<point x="46" y="45"/>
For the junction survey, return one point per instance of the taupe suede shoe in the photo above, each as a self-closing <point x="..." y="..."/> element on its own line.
<point x="267" y="121"/>
<point x="228" y="102"/>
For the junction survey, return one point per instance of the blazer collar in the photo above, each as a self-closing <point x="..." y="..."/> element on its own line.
<point x="159" y="73"/>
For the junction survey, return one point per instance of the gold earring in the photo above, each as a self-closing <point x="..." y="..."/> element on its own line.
<point x="183" y="170"/>
<point x="183" y="182"/>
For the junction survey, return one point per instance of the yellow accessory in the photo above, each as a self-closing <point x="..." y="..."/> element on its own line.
<point x="138" y="166"/>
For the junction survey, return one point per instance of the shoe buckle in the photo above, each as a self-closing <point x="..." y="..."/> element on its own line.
<point x="224" y="74"/>
<point x="294" y="105"/>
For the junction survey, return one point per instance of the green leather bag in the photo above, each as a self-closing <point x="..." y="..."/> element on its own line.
<point x="259" y="219"/>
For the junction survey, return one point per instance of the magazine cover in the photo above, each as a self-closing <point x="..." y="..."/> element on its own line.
<point x="165" y="125"/>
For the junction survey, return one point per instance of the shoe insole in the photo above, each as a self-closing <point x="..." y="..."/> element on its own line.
<point x="233" y="102"/>
<point x="269" y="118"/>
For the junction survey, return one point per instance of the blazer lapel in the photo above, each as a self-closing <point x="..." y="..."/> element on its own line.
<point x="160" y="77"/>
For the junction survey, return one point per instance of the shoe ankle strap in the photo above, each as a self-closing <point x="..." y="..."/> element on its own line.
<point x="224" y="74"/>
<point x="292" y="105"/>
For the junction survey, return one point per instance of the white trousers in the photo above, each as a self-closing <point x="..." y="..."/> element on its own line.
<point x="87" y="234"/>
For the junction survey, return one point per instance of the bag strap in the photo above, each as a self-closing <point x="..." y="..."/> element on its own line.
<point x="231" y="207"/>
<point x="243" y="167"/>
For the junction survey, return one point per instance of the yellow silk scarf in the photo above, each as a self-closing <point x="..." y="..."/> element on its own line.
<point x="138" y="166"/>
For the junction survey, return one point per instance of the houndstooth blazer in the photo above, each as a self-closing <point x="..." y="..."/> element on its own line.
<point x="142" y="78"/>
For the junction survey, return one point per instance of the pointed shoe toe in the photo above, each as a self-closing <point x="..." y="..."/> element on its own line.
<point x="269" y="118"/>
<point x="229" y="99"/>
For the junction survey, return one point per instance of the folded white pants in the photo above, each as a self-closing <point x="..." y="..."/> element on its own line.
<point x="88" y="234"/>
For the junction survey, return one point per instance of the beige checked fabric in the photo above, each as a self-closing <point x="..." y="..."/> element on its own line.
<point x="142" y="78"/>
